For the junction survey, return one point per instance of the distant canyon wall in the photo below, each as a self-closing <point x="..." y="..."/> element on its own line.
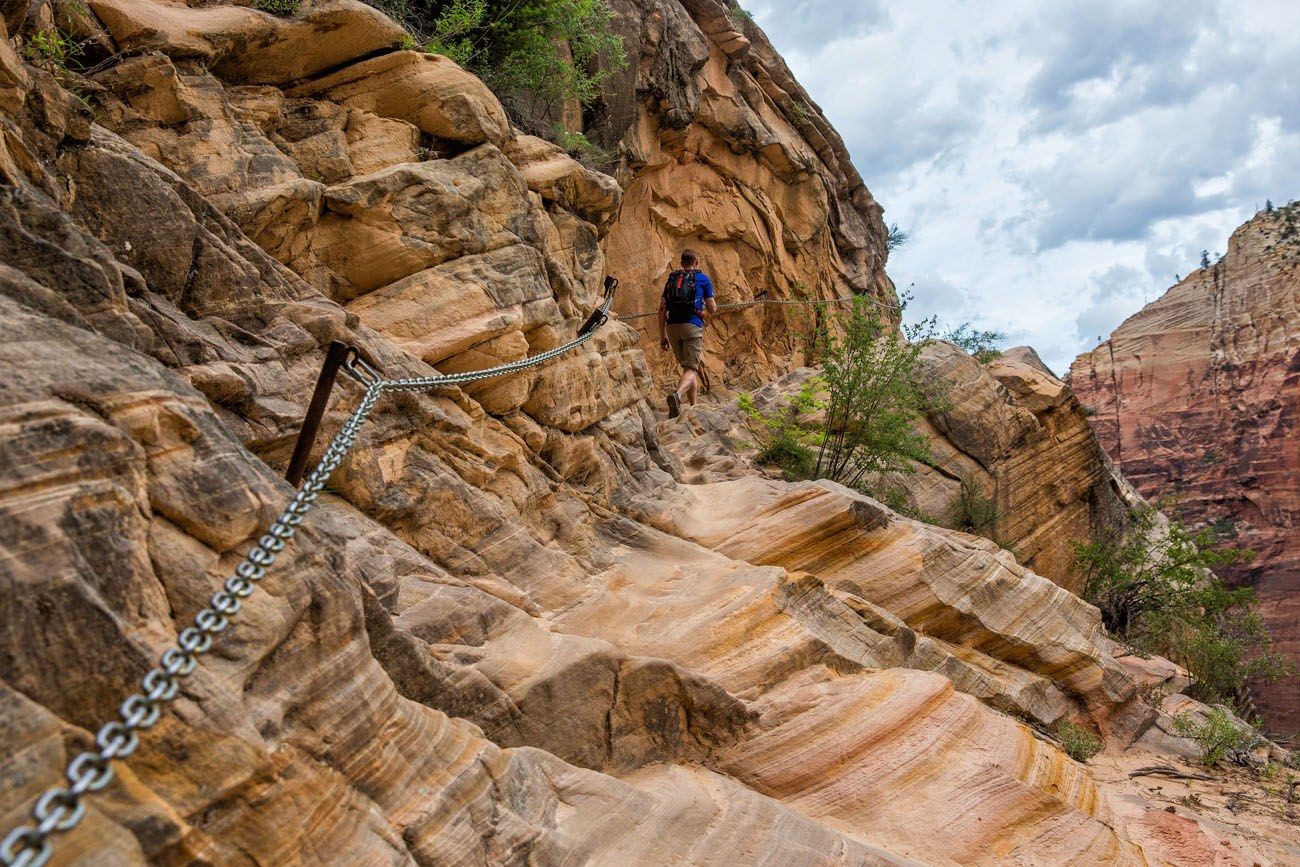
<point x="1197" y="398"/>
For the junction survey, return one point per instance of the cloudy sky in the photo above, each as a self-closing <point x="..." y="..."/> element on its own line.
<point x="1056" y="162"/>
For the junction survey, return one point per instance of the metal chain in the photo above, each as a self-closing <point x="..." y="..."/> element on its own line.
<point x="61" y="808"/>
<point x="740" y="305"/>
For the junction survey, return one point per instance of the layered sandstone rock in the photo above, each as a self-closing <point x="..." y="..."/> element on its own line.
<point x="1197" y="398"/>
<point x="507" y="634"/>
<point x="721" y="150"/>
<point x="1006" y="433"/>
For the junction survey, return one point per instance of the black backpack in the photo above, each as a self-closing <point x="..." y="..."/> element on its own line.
<point x="680" y="294"/>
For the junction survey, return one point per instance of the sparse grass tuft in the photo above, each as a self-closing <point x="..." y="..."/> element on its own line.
<point x="1078" y="743"/>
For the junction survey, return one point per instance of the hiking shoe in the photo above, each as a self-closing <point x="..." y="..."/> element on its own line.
<point x="674" y="404"/>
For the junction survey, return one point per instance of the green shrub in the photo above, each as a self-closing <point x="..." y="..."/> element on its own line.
<point x="1078" y="743"/>
<point x="581" y="147"/>
<point x="974" y="512"/>
<point x="974" y="342"/>
<point x="785" y="451"/>
<point x="534" y="54"/>
<point x="781" y="437"/>
<point x="1219" y="736"/>
<point x="277" y="7"/>
<point x="870" y="375"/>
<point x="1156" y="593"/>
<point x="454" y="29"/>
<point x="799" y="112"/>
<point x="50" y="50"/>
<point x="857" y="416"/>
<point x="739" y="17"/>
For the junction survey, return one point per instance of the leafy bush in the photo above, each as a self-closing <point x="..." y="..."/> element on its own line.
<point x="799" y="112"/>
<point x="1219" y="736"/>
<point x="534" y="54"/>
<point x="867" y="398"/>
<point x="578" y="145"/>
<point x="781" y="437"/>
<point x="1078" y="743"/>
<point x="453" y="29"/>
<point x="739" y="17"/>
<point x="974" y="512"/>
<point x="1156" y="592"/>
<point x="870" y="379"/>
<point x="974" y="342"/>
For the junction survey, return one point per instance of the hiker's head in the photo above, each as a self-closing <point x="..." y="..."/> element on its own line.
<point x="689" y="259"/>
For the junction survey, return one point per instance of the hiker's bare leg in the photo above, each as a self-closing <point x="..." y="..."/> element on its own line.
<point x="686" y="383"/>
<point x="693" y="388"/>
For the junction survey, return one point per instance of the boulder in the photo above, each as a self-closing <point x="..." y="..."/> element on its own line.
<point x="559" y="178"/>
<point x="427" y="90"/>
<point x="246" y="45"/>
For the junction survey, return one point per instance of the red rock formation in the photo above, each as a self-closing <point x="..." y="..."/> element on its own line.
<point x="1197" y="397"/>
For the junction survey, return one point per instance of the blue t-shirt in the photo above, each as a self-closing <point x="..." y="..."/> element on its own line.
<point x="703" y="290"/>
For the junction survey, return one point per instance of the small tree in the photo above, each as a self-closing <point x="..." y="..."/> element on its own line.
<point x="1268" y="206"/>
<point x="1155" y="591"/>
<point x="982" y="345"/>
<point x="974" y="512"/>
<point x="872" y="396"/>
<point x="1205" y="258"/>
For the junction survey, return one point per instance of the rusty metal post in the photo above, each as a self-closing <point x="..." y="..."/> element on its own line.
<point x="335" y="355"/>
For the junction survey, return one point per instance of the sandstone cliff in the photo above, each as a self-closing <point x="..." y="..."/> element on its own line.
<point x="1197" y="398"/>
<point x="723" y="151"/>
<point x="510" y="633"/>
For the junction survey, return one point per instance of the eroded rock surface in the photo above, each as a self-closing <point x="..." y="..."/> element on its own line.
<point x="508" y="634"/>
<point x="724" y="152"/>
<point x="1197" y="398"/>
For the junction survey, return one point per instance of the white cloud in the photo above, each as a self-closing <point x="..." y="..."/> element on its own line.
<point x="1057" y="164"/>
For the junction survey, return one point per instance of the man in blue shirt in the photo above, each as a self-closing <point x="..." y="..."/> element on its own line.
<point x="686" y="304"/>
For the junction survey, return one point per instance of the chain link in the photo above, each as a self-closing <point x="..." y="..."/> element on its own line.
<point x="60" y="808"/>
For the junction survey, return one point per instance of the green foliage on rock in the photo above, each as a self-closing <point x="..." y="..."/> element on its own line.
<point x="534" y="54"/>
<point x="1219" y="736"/>
<point x="1156" y="592"/>
<point x="980" y="344"/>
<point x="277" y="7"/>
<point x="975" y="512"/>
<point x="855" y="420"/>
<point x="581" y="147"/>
<point x="51" y="50"/>
<point x="870" y="376"/>
<point x="1078" y="743"/>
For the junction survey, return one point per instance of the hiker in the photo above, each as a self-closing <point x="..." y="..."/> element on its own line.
<point x="687" y="301"/>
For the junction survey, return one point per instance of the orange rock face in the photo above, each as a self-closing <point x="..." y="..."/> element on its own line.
<point x="725" y="153"/>
<point x="515" y="629"/>
<point x="1197" y="398"/>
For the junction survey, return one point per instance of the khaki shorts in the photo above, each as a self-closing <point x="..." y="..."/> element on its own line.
<point x="687" y="341"/>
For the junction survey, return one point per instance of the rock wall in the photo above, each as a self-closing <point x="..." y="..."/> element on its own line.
<point x="1007" y="440"/>
<point x="508" y="634"/>
<point x="721" y="150"/>
<point x="1197" y="398"/>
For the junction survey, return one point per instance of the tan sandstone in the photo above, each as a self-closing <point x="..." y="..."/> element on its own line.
<point x="509" y="633"/>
